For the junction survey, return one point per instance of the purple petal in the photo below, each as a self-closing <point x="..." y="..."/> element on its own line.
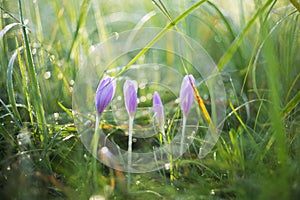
<point x="130" y="96"/>
<point x="186" y="94"/>
<point x="104" y="94"/>
<point x="158" y="109"/>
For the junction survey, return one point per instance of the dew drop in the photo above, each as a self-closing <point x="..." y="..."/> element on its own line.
<point x="56" y="116"/>
<point x="143" y="99"/>
<point x="52" y="58"/>
<point x="92" y="48"/>
<point x="104" y="150"/>
<point x="119" y="98"/>
<point x="167" y="166"/>
<point x="60" y="76"/>
<point x="72" y="82"/>
<point x="26" y="21"/>
<point x="142" y="85"/>
<point x="205" y="96"/>
<point x="47" y="75"/>
<point x="149" y="96"/>
<point x="116" y="35"/>
<point x="33" y="51"/>
<point x="5" y="15"/>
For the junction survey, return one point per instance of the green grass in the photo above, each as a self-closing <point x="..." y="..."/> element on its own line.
<point x="256" y="49"/>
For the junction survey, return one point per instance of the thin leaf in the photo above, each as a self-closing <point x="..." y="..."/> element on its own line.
<point x="10" y="87"/>
<point x="234" y="46"/>
<point x="82" y="17"/>
<point x="7" y="28"/>
<point x="10" y="113"/>
<point x="35" y="90"/>
<point x="160" y="35"/>
<point x="291" y="104"/>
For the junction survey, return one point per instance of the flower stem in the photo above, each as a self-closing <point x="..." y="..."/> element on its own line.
<point x="94" y="147"/>
<point x="182" y="134"/>
<point x="96" y="136"/>
<point x="129" y="149"/>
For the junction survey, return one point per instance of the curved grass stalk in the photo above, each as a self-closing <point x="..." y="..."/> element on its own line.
<point x="234" y="46"/>
<point x="160" y="35"/>
<point x="10" y="88"/>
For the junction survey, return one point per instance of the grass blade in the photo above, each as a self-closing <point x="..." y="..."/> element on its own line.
<point x="7" y="28"/>
<point x="10" y="113"/>
<point x="82" y="17"/>
<point x="234" y="46"/>
<point x="291" y="105"/>
<point x="160" y="35"/>
<point x="34" y="86"/>
<point x="10" y="87"/>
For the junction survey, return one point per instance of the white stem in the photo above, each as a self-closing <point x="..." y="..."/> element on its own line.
<point x="182" y="134"/>
<point x="96" y="135"/>
<point x="129" y="148"/>
<point x="94" y="146"/>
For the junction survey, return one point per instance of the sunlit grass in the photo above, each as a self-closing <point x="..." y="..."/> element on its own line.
<point x="256" y="51"/>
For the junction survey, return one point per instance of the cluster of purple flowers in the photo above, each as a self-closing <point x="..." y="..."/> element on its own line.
<point x="105" y="93"/>
<point x="107" y="88"/>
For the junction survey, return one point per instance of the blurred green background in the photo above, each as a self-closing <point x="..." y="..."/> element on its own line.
<point x="255" y="45"/>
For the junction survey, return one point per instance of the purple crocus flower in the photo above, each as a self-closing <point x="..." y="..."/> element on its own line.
<point x="104" y="94"/>
<point x="130" y="96"/>
<point x="158" y="109"/>
<point x="186" y="94"/>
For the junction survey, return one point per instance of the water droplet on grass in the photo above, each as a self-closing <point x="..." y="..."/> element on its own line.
<point x="56" y="116"/>
<point x="60" y="76"/>
<point x="5" y="15"/>
<point x="72" y="82"/>
<point x="116" y="35"/>
<point x="33" y="51"/>
<point x="47" y="75"/>
<point x="143" y="99"/>
<point x="26" y="21"/>
<point x="167" y="166"/>
<point x="52" y="58"/>
<point x="205" y="96"/>
<point x="149" y="96"/>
